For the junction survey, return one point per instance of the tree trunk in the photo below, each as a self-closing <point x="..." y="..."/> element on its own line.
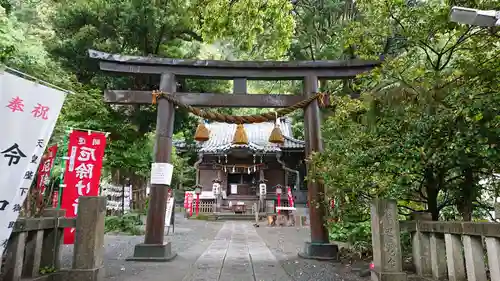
<point x="432" y="202"/>
<point x="431" y="188"/>
<point x="468" y="195"/>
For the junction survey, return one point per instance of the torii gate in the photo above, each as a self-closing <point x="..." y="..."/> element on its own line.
<point x="154" y="248"/>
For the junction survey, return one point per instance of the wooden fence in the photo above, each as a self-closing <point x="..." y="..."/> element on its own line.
<point x="441" y="250"/>
<point x="33" y="250"/>
<point x="207" y="206"/>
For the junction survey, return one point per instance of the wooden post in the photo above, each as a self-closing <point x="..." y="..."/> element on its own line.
<point x="240" y="86"/>
<point x="52" y="241"/>
<point x="320" y="246"/>
<point x="154" y="248"/>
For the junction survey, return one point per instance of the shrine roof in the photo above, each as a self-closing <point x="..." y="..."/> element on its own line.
<point x="221" y="137"/>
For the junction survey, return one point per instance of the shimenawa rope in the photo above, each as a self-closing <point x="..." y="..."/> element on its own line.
<point x="247" y="119"/>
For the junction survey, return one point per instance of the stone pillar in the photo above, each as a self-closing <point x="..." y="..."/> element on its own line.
<point x="493" y="249"/>
<point x="386" y="241"/>
<point x="473" y="248"/>
<point x="438" y="256"/>
<point x="33" y="253"/>
<point x="15" y="256"/>
<point x="88" y="262"/>
<point x="421" y="247"/>
<point x="454" y="257"/>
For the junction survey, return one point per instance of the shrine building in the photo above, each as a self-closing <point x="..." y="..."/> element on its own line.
<point x="241" y="167"/>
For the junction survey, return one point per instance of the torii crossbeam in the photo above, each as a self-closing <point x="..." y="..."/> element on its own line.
<point x="154" y="248"/>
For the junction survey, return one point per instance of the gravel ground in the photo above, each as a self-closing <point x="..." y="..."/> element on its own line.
<point x="286" y="242"/>
<point x="188" y="233"/>
<point x="193" y="237"/>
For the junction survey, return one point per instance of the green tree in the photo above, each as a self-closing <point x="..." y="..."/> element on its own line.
<point x="428" y="125"/>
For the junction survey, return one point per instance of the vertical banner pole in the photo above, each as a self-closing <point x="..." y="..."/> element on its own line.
<point x="63" y="168"/>
<point x="52" y="168"/>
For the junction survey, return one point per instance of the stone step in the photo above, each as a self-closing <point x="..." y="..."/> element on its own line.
<point x="230" y="217"/>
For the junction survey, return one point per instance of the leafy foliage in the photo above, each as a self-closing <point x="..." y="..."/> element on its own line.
<point x="128" y="223"/>
<point x="253" y="27"/>
<point x="426" y="128"/>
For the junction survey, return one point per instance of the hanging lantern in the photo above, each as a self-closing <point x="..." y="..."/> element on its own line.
<point x="276" y="134"/>
<point x="240" y="136"/>
<point x="202" y="133"/>
<point x="216" y="187"/>
<point x="262" y="188"/>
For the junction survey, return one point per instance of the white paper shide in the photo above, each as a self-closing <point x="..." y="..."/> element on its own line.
<point x="161" y="173"/>
<point x="29" y="113"/>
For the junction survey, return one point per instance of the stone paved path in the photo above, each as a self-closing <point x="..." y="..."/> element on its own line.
<point x="221" y="251"/>
<point x="237" y="253"/>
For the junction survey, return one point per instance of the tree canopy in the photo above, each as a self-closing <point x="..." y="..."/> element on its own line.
<point x="425" y="129"/>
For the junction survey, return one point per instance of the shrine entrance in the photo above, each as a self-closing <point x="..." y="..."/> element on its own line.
<point x="309" y="72"/>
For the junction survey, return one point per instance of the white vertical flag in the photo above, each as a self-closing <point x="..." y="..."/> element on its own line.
<point x="29" y="112"/>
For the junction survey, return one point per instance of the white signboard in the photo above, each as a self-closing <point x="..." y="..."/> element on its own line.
<point x="29" y="113"/>
<point x="161" y="173"/>
<point x="170" y="207"/>
<point x="234" y="189"/>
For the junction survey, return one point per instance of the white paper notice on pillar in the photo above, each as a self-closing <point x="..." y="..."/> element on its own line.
<point x="161" y="173"/>
<point x="29" y="112"/>
<point x="168" y="214"/>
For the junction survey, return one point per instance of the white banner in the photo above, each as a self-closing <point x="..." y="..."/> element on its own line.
<point x="168" y="214"/>
<point x="29" y="112"/>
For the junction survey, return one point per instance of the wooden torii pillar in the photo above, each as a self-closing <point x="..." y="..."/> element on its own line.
<point x="154" y="248"/>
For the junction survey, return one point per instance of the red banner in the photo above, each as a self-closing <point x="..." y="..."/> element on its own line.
<point x="83" y="172"/>
<point x="46" y="164"/>
<point x="55" y="198"/>
<point x="290" y="197"/>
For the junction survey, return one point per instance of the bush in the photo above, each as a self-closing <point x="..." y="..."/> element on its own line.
<point x="406" y="245"/>
<point x="128" y="223"/>
<point x="201" y="217"/>
<point x="357" y="234"/>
